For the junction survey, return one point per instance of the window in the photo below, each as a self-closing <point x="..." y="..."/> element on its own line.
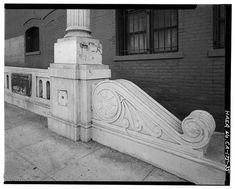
<point x="32" y="39"/>
<point x="219" y="26"/>
<point x="136" y="32"/>
<point x="147" y="31"/>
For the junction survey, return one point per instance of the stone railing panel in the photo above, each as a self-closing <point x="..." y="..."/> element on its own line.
<point x="28" y="88"/>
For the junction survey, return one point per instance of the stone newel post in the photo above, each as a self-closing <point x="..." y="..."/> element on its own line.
<point x="77" y="66"/>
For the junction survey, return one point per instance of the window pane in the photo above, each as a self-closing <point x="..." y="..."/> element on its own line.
<point x="173" y="17"/>
<point x="222" y="12"/>
<point x="219" y="26"/>
<point x="156" y="47"/>
<point x="135" y="32"/>
<point x="156" y="19"/>
<point x="131" y="43"/>
<point x="174" y="39"/>
<point x="128" y="45"/>
<point x="136" y="43"/>
<point x="161" y="19"/>
<point x="130" y="24"/>
<point x="136" y="23"/>
<point x="145" y="42"/>
<point x="167" y="16"/>
<point x="161" y="40"/>
<point x="142" y="42"/>
<point x="142" y="23"/>
<point x="222" y="37"/>
<point x="164" y="32"/>
<point x="168" y="39"/>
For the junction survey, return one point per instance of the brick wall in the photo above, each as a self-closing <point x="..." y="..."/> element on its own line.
<point x="52" y="25"/>
<point x="194" y="81"/>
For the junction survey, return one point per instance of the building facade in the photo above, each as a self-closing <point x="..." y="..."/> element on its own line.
<point x="177" y="56"/>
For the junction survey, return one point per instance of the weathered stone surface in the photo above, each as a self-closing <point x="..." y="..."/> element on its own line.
<point x="77" y="66"/>
<point x="78" y="50"/>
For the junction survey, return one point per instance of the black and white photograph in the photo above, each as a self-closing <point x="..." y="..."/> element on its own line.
<point x="117" y="94"/>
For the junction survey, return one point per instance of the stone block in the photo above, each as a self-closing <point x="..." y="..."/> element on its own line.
<point x="78" y="50"/>
<point x="64" y="128"/>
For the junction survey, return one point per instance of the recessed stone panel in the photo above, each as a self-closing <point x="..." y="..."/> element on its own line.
<point x="21" y="83"/>
<point x="62" y="97"/>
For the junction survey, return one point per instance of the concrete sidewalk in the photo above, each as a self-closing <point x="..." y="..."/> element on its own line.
<point x="33" y="153"/>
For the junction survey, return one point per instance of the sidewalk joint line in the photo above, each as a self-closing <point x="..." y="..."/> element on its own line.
<point x="148" y="174"/>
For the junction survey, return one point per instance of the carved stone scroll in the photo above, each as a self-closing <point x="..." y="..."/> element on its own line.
<point x="198" y="127"/>
<point x="121" y="104"/>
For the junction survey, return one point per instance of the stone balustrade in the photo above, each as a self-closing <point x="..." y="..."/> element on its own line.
<point x="28" y="88"/>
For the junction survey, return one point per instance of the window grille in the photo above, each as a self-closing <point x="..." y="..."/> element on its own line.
<point x="165" y="30"/>
<point x="146" y="31"/>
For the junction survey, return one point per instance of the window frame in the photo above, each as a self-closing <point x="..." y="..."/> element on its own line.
<point x="165" y="28"/>
<point x="121" y="23"/>
<point x="216" y="26"/>
<point x="32" y="46"/>
<point x="127" y="34"/>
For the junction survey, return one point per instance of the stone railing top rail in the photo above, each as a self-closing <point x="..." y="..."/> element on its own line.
<point x="25" y="70"/>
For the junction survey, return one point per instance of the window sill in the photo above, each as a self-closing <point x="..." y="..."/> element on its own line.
<point x="216" y="53"/>
<point x="33" y="53"/>
<point x="174" y="55"/>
